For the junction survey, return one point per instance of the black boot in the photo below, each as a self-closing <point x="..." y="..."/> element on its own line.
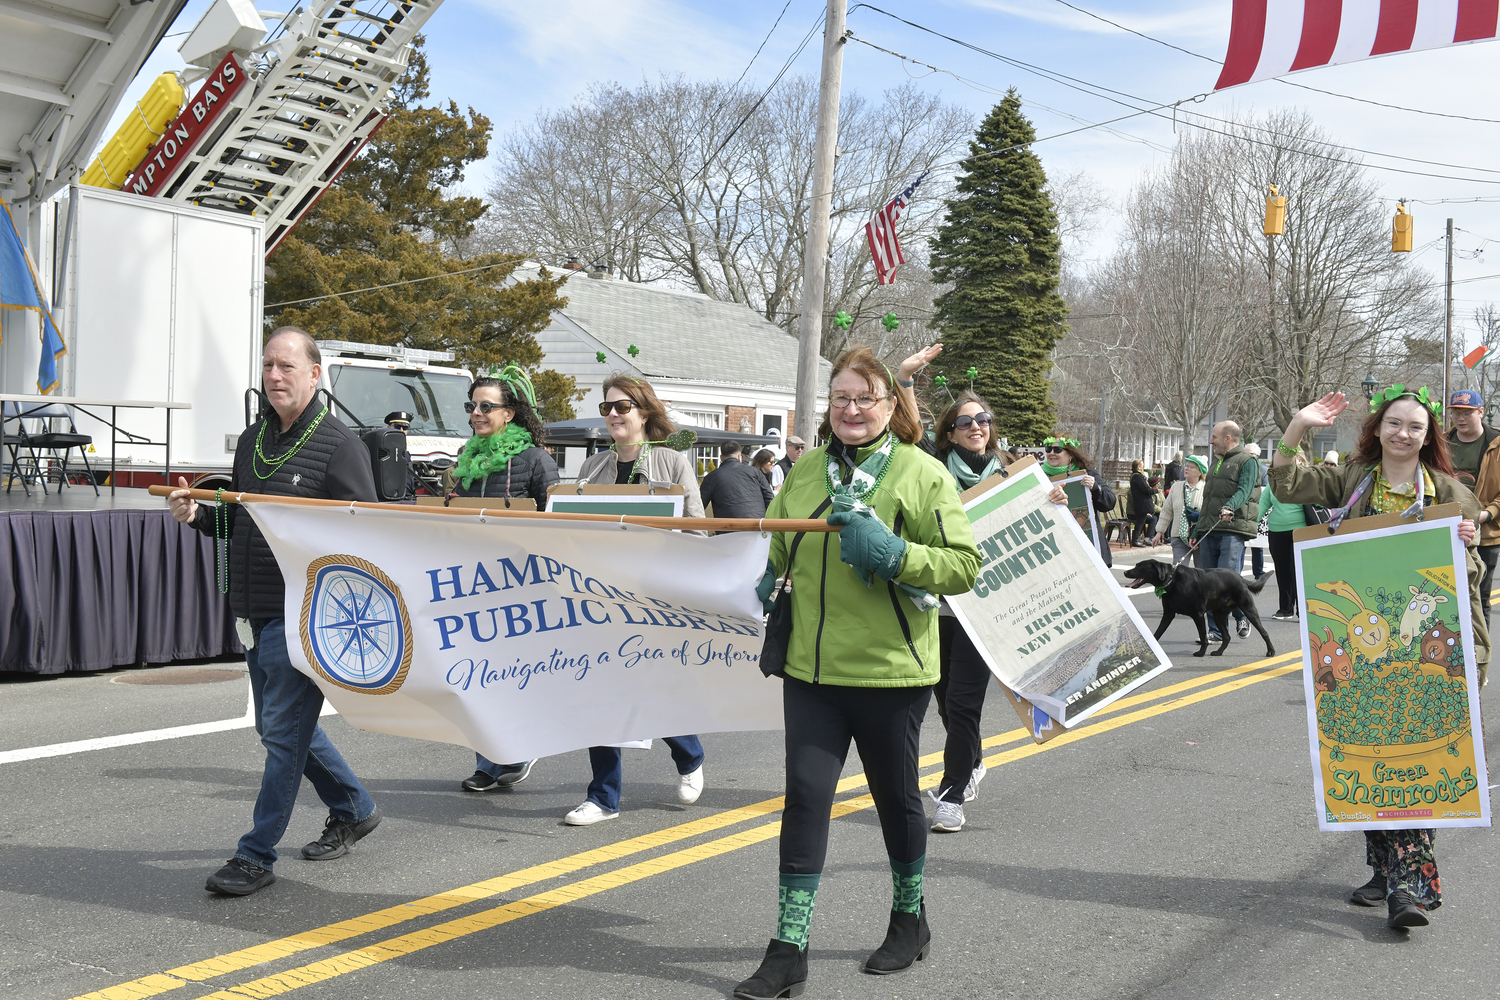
<point x="782" y="973"/>
<point x="1404" y="911"/>
<point x="906" y="941"/>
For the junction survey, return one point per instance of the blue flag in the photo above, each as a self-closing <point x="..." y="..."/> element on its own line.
<point x="19" y="290"/>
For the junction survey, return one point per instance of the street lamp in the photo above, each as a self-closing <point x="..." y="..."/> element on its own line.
<point x="1369" y="385"/>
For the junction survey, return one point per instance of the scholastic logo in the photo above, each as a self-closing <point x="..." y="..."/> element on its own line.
<point x="186" y="130"/>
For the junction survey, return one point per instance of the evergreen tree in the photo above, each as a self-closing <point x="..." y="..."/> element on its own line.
<point x="998" y="251"/>
<point x="388" y="219"/>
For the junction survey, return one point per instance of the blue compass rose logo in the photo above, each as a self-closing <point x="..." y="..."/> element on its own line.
<point x="356" y="629"/>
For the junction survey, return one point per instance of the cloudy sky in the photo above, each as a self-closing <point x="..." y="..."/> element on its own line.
<point x="511" y="58"/>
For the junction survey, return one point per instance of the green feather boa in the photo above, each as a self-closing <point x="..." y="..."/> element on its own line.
<point x="483" y="455"/>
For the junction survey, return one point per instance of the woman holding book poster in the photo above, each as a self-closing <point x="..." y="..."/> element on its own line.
<point x="862" y="653"/>
<point x="1400" y="460"/>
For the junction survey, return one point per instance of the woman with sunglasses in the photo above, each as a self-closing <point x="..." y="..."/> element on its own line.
<point x="1065" y="457"/>
<point x="637" y="421"/>
<point x="1400" y="460"/>
<point x="863" y="651"/>
<point x="503" y="459"/>
<point x="966" y="446"/>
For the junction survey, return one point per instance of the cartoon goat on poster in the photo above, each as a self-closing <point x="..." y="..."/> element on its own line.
<point x="1423" y="605"/>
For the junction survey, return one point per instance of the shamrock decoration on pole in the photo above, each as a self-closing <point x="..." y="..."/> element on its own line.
<point x="890" y="322"/>
<point x="599" y="356"/>
<point x="972" y="373"/>
<point x="632" y="350"/>
<point x="843" y="320"/>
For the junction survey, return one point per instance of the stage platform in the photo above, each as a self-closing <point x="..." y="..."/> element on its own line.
<point x="90" y="583"/>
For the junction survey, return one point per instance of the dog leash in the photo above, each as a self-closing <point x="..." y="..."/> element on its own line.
<point x="1194" y="547"/>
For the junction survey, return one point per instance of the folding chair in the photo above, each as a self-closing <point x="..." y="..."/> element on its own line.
<point x="57" y="442"/>
<point x="22" y="468"/>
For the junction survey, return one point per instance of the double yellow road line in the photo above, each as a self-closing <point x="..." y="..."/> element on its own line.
<point x="1120" y="714"/>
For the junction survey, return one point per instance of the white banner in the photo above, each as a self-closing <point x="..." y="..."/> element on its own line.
<point x="523" y="637"/>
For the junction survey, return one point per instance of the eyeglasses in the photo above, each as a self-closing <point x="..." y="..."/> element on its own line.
<point x="1053" y="449"/>
<point x="483" y="406"/>
<point x="964" y="422"/>
<point x="620" y="406"/>
<point x="866" y="402"/>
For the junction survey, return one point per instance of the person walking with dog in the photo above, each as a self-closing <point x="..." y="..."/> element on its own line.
<point x="1475" y="452"/>
<point x="1064" y="456"/>
<point x="1400" y="458"/>
<point x="862" y="654"/>
<point x="503" y="459"/>
<point x="1281" y="520"/>
<point x="1229" y="515"/>
<point x="1181" y="511"/>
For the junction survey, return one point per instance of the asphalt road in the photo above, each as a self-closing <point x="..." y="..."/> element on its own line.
<point x="1167" y="848"/>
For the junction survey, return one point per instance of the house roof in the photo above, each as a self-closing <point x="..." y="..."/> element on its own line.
<point x="682" y="335"/>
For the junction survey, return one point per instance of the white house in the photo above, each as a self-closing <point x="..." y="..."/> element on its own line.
<point x="716" y="364"/>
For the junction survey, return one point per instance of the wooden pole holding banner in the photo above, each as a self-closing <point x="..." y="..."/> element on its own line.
<point x="670" y="523"/>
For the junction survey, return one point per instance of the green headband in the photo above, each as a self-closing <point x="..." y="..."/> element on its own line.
<point x="1064" y="442"/>
<point x="1395" y="392"/>
<point x="515" y="377"/>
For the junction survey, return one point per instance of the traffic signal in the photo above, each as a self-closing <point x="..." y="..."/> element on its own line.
<point x="1275" y="213"/>
<point x="1401" y="232"/>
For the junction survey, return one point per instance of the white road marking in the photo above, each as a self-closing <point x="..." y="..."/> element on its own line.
<point x="246" y="721"/>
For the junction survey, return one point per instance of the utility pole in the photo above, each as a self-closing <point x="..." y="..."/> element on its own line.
<point x="1448" y="316"/>
<point x="815" y="261"/>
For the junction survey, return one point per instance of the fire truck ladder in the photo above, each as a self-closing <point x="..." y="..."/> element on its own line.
<point x="318" y="95"/>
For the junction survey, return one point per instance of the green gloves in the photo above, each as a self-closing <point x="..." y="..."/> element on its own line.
<point x="767" y="585"/>
<point x="867" y="544"/>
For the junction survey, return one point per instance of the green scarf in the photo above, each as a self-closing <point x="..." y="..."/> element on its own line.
<point x="964" y="474"/>
<point x="483" y="455"/>
<point x="851" y="496"/>
<point x="1058" y="470"/>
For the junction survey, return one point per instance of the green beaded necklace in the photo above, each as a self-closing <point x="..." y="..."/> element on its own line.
<point x="280" y="460"/>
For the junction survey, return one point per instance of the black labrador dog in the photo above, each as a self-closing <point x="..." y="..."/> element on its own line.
<point x="1198" y="593"/>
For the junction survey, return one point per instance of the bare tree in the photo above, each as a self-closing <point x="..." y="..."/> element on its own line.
<point x="1332" y="293"/>
<point x="706" y="185"/>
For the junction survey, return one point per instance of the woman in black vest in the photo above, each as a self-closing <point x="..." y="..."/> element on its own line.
<point x="503" y="459"/>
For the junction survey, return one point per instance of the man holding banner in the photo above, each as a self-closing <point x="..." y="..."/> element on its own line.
<point x="297" y="450"/>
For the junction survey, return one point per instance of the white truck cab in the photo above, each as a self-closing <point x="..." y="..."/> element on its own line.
<point x="368" y="381"/>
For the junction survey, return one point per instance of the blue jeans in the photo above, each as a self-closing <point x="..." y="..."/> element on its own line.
<point x="604" y="790"/>
<point x="287" y="703"/>
<point x="1221" y="551"/>
<point x="483" y="763"/>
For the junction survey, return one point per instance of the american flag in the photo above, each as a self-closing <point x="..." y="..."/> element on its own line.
<point x="881" y="232"/>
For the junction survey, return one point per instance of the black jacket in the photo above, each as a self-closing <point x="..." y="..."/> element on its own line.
<point x="1141" y="494"/>
<point x="527" y="474"/>
<point x="332" y="465"/>
<point x="1171" y="474"/>
<point x="736" y="490"/>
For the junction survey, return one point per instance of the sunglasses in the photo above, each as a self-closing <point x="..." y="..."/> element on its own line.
<point x="483" y="406"/>
<point x="964" y="422"/>
<point x="1053" y="449"/>
<point x="620" y="406"/>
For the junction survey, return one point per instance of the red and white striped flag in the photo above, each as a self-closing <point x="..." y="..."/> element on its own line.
<point x="885" y="248"/>
<point x="1270" y="38"/>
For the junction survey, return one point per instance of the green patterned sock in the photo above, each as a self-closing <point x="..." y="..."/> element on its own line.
<point x="794" y="920"/>
<point x="906" y="878"/>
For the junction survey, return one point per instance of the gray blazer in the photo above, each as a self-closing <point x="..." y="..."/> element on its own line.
<point x="663" y="465"/>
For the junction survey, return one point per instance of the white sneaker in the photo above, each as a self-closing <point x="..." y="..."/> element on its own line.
<point x="690" y="786"/>
<point x="588" y="814"/>
<point x="949" y="818"/>
<point x="971" y="790"/>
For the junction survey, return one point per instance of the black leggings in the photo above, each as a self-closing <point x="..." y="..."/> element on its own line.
<point x="960" y="696"/>
<point x="884" y="724"/>
<point x="1280" y="543"/>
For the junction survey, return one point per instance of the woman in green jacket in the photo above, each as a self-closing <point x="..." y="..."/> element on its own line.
<point x="863" y="653"/>
<point x="1401" y="458"/>
<point x="1281" y="520"/>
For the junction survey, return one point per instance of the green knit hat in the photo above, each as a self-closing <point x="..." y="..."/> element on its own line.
<point x="1200" y="462"/>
